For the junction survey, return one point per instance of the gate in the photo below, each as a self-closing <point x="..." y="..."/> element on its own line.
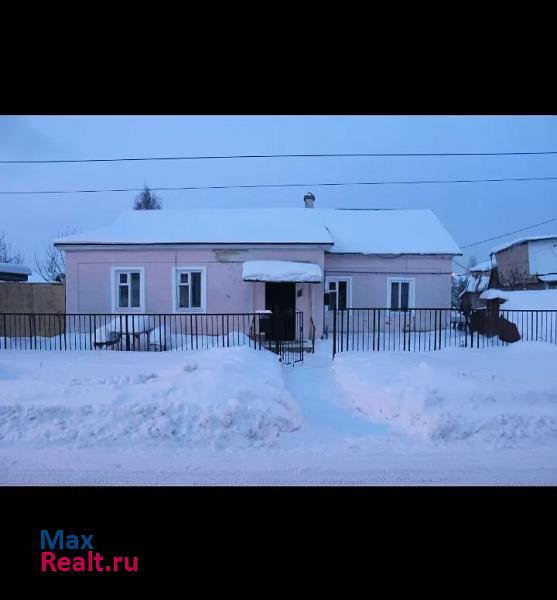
<point x="284" y="333"/>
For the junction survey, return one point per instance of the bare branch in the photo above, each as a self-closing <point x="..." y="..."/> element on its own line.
<point x="6" y="255"/>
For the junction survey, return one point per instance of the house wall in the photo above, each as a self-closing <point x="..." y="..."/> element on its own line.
<point x="542" y="256"/>
<point x="369" y="275"/>
<point x="88" y="278"/>
<point x="516" y="258"/>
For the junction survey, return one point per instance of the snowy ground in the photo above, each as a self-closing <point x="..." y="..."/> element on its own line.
<point x="235" y="416"/>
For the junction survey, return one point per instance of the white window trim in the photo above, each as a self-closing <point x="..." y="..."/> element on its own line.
<point x="411" y="291"/>
<point x="114" y="290"/>
<point x="175" y="271"/>
<point x="348" y="279"/>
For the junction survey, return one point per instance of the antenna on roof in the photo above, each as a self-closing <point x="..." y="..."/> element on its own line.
<point x="309" y="199"/>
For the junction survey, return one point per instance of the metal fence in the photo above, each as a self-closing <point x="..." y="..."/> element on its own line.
<point x="280" y="333"/>
<point x="425" y="329"/>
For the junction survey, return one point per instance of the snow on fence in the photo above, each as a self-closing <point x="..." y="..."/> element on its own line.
<point x="425" y="329"/>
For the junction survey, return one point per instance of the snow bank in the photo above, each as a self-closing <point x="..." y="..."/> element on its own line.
<point x="217" y="398"/>
<point x="281" y="270"/>
<point x="496" y="396"/>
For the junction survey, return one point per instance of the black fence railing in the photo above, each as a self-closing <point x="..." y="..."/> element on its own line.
<point x="425" y="329"/>
<point x="280" y="333"/>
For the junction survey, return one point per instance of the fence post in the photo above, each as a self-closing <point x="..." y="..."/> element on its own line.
<point x="334" y="331"/>
<point x="301" y="357"/>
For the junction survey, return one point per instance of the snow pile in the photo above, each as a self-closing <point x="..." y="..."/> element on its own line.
<point x="281" y="270"/>
<point x="217" y="398"/>
<point x="494" y="397"/>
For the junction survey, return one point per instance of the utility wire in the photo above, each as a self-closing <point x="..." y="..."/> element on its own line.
<point x="507" y="234"/>
<point x="283" y="185"/>
<point x="247" y="156"/>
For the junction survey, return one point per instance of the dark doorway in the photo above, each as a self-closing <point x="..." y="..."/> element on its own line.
<point x="281" y="299"/>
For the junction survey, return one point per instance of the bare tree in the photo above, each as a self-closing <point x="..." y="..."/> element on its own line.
<point x="458" y="285"/>
<point x="6" y="255"/>
<point x="514" y="278"/>
<point x="147" y="200"/>
<point x="53" y="266"/>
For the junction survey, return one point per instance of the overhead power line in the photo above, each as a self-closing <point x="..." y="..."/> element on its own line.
<point x="507" y="234"/>
<point x="282" y="185"/>
<point x="250" y="156"/>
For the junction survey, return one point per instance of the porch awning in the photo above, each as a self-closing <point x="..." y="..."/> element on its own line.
<point x="281" y="270"/>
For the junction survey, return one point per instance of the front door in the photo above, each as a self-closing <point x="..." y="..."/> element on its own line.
<point x="281" y="299"/>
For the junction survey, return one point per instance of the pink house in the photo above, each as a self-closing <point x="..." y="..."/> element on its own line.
<point x="249" y="260"/>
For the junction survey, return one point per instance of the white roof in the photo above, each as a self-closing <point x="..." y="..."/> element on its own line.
<point x="483" y="266"/>
<point x="346" y="231"/>
<point x="281" y="270"/>
<point x="208" y="226"/>
<point x="524" y="300"/>
<point x="476" y="282"/>
<point x="522" y="241"/>
<point x="14" y="268"/>
<point x="401" y="231"/>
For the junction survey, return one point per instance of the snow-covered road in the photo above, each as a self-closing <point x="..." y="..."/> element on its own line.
<point x="248" y="417"/>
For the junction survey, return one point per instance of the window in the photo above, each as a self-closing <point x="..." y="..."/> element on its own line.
<point x="338" y="293"/>
<point x="400" y="294"/>
<point x="189" y="289"/>
<point x="128" y="290"/>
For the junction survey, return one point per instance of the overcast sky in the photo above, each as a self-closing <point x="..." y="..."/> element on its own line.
<point x="470" y="212"/>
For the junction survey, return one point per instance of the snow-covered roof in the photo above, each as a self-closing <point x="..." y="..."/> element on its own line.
<point x="478" y="281"/>
<point x="482" y="266"/>
<point x="281" y="270"/>
<point x="522" y="241"/>
<point x="208" y="226"/>
<point x="15" y="269"/>
<point x="548" y="278"/>
<point x="524" y="300"/>
<point x="345" y="231"/>
<point x="400" y="231"/>
<point x="493" y="294"/>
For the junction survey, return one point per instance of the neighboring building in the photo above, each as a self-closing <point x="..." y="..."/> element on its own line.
<point x="24" y="292"/>
<point x="247" y="260"/>
<point x="528" y="263"/>
<point x="478" y="280"/>
<point x="14" y="272"/>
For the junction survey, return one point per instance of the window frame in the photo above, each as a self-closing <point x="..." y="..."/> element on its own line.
<point x="411" y="292"/>
<point x="115" y="273"/>
<point x="336" y="280"/>
<point x="176" y="272"/>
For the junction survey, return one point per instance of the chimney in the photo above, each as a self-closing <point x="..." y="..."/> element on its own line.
<point x="309" y="199"/>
